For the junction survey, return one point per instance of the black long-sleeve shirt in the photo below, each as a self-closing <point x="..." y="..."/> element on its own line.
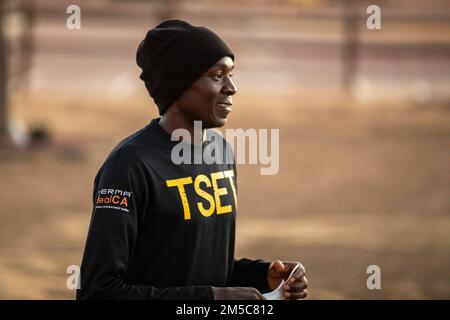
<point x="160" y="230"/>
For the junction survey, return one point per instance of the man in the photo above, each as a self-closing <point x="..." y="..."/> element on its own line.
<point x="161" y="230"/>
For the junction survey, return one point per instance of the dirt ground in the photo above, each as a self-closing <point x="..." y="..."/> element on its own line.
<point x="357" y="186"/>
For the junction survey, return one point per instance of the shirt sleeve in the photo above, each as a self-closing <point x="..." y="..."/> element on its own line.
<point x="118" y="198"/>
<point x="246" y="272"/>
<point x="250" y="273"/>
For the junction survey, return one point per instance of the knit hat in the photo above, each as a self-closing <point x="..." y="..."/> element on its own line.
<point x="174" y="55"/>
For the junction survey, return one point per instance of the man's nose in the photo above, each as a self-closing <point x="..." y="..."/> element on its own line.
<point x="229" y="87"/>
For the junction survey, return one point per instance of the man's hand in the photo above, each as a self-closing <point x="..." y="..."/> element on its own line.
<point x="296" y="287"/>
<point x="236" y="293"/>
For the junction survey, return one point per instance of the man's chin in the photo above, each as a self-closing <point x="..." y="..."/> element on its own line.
<point x="215" y="123"/>
<point x="220" y="122"/>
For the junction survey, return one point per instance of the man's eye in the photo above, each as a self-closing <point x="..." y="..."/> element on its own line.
<point x="220" y="76"/>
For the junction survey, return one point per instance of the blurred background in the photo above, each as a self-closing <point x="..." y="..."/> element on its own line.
<point x="364" y="119"/>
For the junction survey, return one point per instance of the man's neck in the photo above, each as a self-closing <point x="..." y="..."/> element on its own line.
<point x="171" y="122"/>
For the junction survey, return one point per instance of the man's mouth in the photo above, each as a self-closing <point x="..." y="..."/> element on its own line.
<point x="223" y="109"/>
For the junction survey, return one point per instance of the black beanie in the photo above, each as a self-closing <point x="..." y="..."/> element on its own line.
<point x="174" y="55"/>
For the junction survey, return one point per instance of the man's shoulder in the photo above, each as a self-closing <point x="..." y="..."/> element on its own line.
<point x="129" y="150"/>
